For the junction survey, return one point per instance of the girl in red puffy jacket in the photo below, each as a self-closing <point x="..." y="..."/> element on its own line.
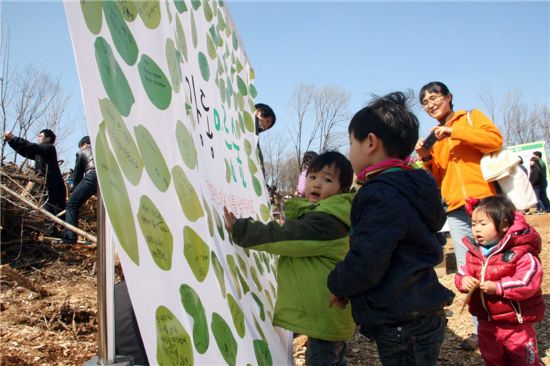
<point x="503" y="267"/>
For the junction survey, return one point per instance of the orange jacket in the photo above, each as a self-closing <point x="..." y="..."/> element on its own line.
<point x="455" y="163"/>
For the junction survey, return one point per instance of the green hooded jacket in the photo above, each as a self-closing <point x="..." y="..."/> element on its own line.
<point x="310" y="243"/>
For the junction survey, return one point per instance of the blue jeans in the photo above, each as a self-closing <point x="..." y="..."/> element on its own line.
<point x="542" y="199"/>
<point x="460" y="226"/>
<point x="416" y="342"/>
<point x="84" y="190"/>
<point x="326" y="353"/>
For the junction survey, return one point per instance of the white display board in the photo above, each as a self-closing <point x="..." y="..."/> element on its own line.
<point x="169" y="100"/>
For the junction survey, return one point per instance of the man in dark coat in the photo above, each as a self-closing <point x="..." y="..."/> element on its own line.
<point x="45" y="156"/>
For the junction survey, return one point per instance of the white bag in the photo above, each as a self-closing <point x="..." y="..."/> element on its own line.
<point x="501" y="167"/>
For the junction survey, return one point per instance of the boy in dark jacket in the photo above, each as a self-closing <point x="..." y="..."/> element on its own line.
<point x="45" y="156"/>
<point x="388" y="274"/>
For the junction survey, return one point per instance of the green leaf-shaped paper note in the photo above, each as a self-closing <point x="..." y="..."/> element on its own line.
<point x="155" y="165"/>
<point x="203" y="65"/>
<point x="193" y="305"/>
<point x="186" y="145"/>
<point x="156" y="232"/>
<point x="173" y="60"/>
<point x="218" y="270"/>
<point x="115" y="196"/>
<point x="93" y="16"/>
<point x="237" y="315"/>
<point x="262" y="353"/>
<point x="113" y="79"/>
<point x="173" y="342"/>
<point x="224" y="339"/>
<point x="189" y="201"/>
<point x="121" y="34"/>
<point x="156" y="84"/>
<point x="149" y="12"/>
<point x="126" y="150"/>
<point x="196" y="252"/>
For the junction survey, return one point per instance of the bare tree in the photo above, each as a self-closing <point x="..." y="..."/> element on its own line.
<point x="300" y="104"/>
<point x="524" y="123"/>
<point x="331" y="111"/>
<point x="30" y="101"/>
<point x="490" y="102"/>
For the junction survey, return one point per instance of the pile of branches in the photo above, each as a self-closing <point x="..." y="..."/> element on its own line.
<point x="20" y="223"/>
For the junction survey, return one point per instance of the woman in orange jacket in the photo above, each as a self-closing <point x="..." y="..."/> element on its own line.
<point x="462" y="139"/>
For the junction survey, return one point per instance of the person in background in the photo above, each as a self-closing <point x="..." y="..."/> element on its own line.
<point x="521" y="166"/>
<point x="308" y="157"/>
<point x="454" y="161"/>
<point x="309" y="244"/>
<point x="388" y="274"/>
<point x="504" y="271"/>
<point x="45" y="156"/>
<point x="535" y="178"/>
<point x="542" y="196"/>
<point x="265" y="119"/>
<point x="85" y="186"/>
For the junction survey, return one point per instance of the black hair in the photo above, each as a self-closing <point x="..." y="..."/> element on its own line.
<point x="520" y="159"/>
<point x="538" y="154"/>
<point x="341" y="164"/>
<point x="390" y="119"/>
<point x="266" y="112"/>
<point x="49" y="134"/>
<point x="435" y="87"/>
<point x="309" y="156"/>
<point x="499" y="209"/>
<point x="84" y="140"/>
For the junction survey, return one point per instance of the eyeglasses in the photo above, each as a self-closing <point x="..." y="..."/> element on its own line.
<point x="432" y="100"/>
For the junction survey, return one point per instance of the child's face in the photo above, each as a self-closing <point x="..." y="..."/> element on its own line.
<point x="322" y="184"/>
<point x="358" y="154"/>
<point x="483" y="228"/>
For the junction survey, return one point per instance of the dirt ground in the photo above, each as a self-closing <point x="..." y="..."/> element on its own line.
<point x="55" y="323"/>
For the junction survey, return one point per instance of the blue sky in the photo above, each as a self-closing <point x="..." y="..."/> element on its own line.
<point x="363" y="47"/>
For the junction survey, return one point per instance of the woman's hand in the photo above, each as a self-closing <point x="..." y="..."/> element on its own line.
<point x="340" y="302"/>
<point x="488" y="287"/>
<point x="469" y="282"/>
<point x="229" y="219"/>
<point x="442" y="132"/>
<point x="420" y="151"/>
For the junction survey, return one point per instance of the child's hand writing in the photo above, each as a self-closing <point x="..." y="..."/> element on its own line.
<point x="488" y="287"/>
<point x="229" y="219"/>
<point x="469" y="282"/>
<point x="340" y="302"/>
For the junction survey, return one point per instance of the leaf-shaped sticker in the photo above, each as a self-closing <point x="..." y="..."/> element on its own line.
<point x="186" y="145"/>
<point x="154" y="82"/>
<point x="155" y="165"/>
<point x="203" y="64"/>
<point x="196" y="4"/>
<point x="189" y="201"/>
<point x="254" y="276"/>
<point x="180" y="6"/>
<point x="173" y="60"/>
<point x="207" y="11"/>
<point x="181" y="41"/>
<point x="115" y="196"/>
<point x="149" y="12"/>
<point x="218" y="270"/>
<point x="235" y="41"/>
<point x="248" y="121"/>
<point x="156" y="232"/>
<point x="257" y="186"/>
<point x="93" y="16"/>
<point x="196" y="253"/>
<point x="260" y="305"/>
<point x="194" y="37"/>
<point x="210" y="219"/>
<point x="233" y="271"/>
<point x="224" y="339"/>
<point x="173" y="342"/>
<point x="259" y="263"/>
<point x="253" y="91"/>
<point x="264" y="211"/>
<point x="262" y="353"/>
<point x="193" y="305"/>
<point x="128" y="9"/>
<point x="121" y="34"/>
<point x="241" y="86"/>
<point x="126" y="150"/>
<point x="113" y="79"/>
<point x="211" y="47"/>
<point x="237" y="315"/>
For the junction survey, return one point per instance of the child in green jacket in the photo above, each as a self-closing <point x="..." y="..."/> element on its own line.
<point x="310" y="243"/>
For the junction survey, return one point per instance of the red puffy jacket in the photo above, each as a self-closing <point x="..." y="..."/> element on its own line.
<point x="516" y="269"/>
